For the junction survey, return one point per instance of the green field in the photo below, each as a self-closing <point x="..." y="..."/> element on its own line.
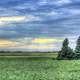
<point x="29" y="55"/>
<point x="38" y="69"/>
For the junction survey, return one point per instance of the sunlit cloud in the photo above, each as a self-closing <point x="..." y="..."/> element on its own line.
<point x="17" y="19"/>
<point x="31" y="44"/>
<point x="39" y="47"/>
<point x="7" y="20"/>
<point x="7" y="43"/>
<point x="45" y="40"/>
<point x="13" y="18"/>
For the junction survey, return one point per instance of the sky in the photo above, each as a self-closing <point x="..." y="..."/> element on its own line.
<point x="38" y="25"/>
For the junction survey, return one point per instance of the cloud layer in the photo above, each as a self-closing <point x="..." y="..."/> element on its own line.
<point x="38" y="19"/>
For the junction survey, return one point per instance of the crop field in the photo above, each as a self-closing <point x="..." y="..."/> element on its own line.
<point x="38" y="69"/>
<point x="29" y="55"/>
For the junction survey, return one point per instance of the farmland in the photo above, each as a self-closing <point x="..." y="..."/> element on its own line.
<point x="41" y="68"/>
<point x="29" y="55"/>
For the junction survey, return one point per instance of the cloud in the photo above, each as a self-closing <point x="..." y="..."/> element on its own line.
<point x="8" y="12"/>
<point x="43" y="2"/>
<point x="17" y="19"/>
<point x="26" y="6"/>
<point x="74" y="11"/>
<point x="45" y="40"/>
<point x="12" y="19"/>
<point x="41" y="47"/>
<point x="7" y="43"/>
<point x="63" y="2"/>
<point x="31" y="44"/>
<point x="39" y="21"/>
<point x="54" y="2"/>
<point x="7" y="32"/>
<point x="7" y="20"/>
<point x="51" y="13"/>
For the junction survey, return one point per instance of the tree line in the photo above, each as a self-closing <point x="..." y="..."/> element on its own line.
<point x="67" y="53"/>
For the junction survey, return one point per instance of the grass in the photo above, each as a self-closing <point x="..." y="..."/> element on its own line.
<point x="28" y="55"/>
<point x="39" y="69"/>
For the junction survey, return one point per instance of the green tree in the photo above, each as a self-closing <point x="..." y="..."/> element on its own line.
<point x="77" y="49"/>
<point x="66" y="52"/>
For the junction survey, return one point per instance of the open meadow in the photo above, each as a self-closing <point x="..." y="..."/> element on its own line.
<point x="38" y="68"/>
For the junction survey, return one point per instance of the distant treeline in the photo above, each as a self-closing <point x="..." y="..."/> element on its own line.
<point x="28" y="52"/>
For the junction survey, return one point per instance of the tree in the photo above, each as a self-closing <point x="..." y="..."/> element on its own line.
<point x="77" y="49"/>
<point x="66" y="52"/>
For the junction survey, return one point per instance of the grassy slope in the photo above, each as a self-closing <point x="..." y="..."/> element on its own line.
<point x="39" y="69"/>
